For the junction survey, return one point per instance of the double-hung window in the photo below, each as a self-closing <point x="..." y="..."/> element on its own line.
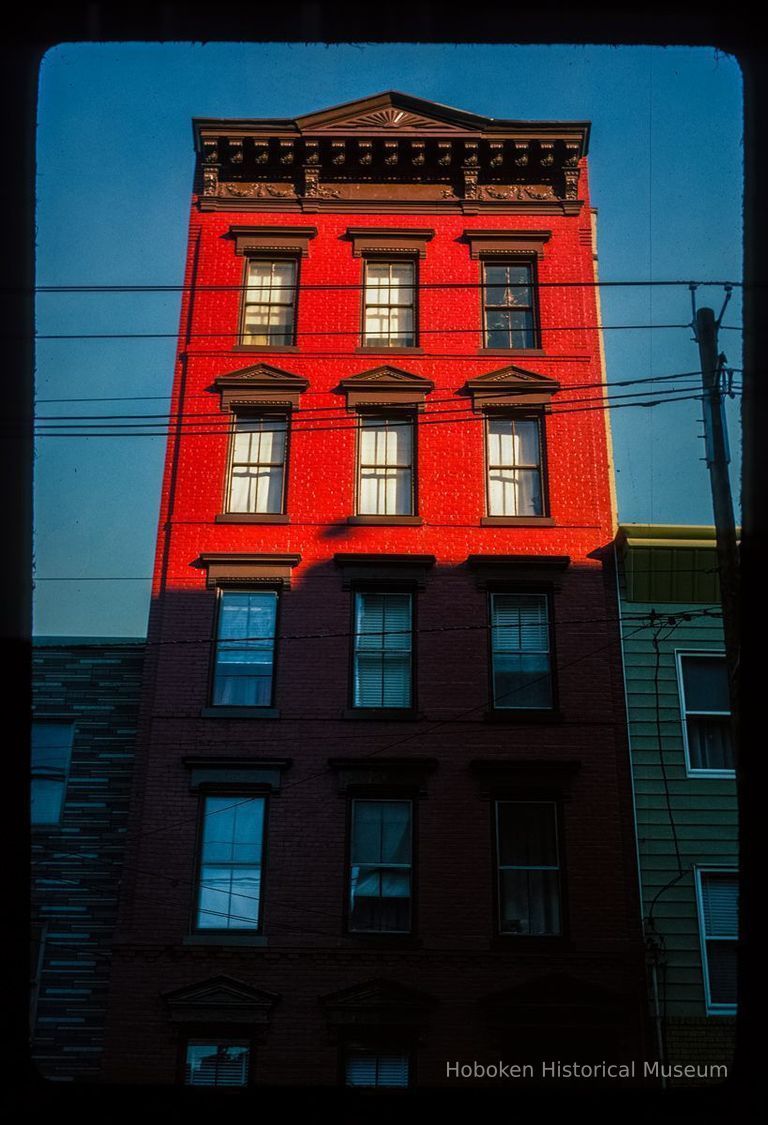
<point x="257" y="469"/>
<point x="50" y="759"/>
<point x="718" y="893"/>
<point x="528" y="868"/>
<point x="221" y="1063"/>
<point x="375" y="1067"/>
<point x="390" y="304"/>
<point x="382" y="658"/>
<point x="385" y="471"/>
<point x="509" y="311"/>
<point x="521" y="651"/>
<point x="380" y="866"/>
<point x="513" y="451"/>
<point x="269" y="305"/>
<point x="245" y="648"/>
<point x="706" y="713"/>
<point x="231" y="845"/>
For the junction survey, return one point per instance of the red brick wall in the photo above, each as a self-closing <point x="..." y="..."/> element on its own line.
<point x="308" y="954"/>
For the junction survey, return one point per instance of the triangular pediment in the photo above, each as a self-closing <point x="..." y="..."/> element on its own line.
<point x="378" y="995"/>
<point x="264" y="374"/>
<point x="220" y="992"/>
<point x="388" y="376"/>
<point x="514" y="378"/>
<point x="392" y="113"/>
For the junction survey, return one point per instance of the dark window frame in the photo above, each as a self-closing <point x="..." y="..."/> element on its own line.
<point x="379" y="1044"/>
<point x="237" y="795"/>
<point x="395" y="414"/>
<point x="523" y="415"/>
<point x="713" y="1008"/>
<point x="253" y="413"/>
<point x="382" y="588"/>
<point x="272" y="258"/>
<point x="200" y="1037"/>
<point x="384" y="794"/>
<point x="221" y="592"/>
<point x="534" y="330"/>
<point x="548" y="593"/>
<point x="389" y="258"/>
<point x="503" y="796"/>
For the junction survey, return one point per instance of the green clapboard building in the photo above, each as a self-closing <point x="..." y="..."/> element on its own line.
<point x="684" y="786"/>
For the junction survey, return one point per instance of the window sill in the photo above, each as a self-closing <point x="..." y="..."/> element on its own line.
<point x="511" y="351"/>
<point x="225" y="712"/>
<point x="523" y="715"/>
<point x="266" y="348"/>
<point x="382" y="349"/>
<point x="517" y="521"/>
<point x="383" y="521"/>
<point x="214" y="938"/>
<point x="251" y="517"/>
<point x="381" y="714"/>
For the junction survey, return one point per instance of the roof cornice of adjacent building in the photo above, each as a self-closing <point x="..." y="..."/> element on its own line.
<point x="80" y="642"/>
<point x="665" y="535"/>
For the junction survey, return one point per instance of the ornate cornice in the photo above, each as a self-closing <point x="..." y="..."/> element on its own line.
<point x="387" y="141"/>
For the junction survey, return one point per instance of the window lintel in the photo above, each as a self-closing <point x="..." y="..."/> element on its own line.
<point x="255" y="241"/>
<point x="248" y="569"/>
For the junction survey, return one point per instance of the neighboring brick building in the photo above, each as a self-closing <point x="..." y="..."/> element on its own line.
<point x="383" y="809"/>
<point x="86" y="702"/>
<point x="685" y="785"/>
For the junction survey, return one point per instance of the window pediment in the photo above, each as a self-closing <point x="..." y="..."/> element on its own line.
<point x="511" y="386"/>
<point x="247" y="570"/>
<point x="272" y="240"/>
<point x="260" y="385"/>
<point x="386" y="386"/>
<point x="221" y="999"/>
<point x="378" y="1003"/>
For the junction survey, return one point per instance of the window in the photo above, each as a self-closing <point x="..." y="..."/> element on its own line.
<point x="269" y="307"/>
<point x="385" y="482"/>
<point x="380" y="867"/>
<point x="528" y="866"/>
<point x="390" y="299"/>
<point x="514" y="466"/>
<point x="230" y="863"/>
<point x="368" y="1067"/>
<point x="257" y="472"/>
<point x="245" y="647"/>
<point x="508" y="306"/>
<point x="520" y="651"/>
<point x="718" y="893"/>
<point x="51" y="753"/>
<point x="705" y="705"/>
<point x="382" y="653"/>
<point x="217" y="1064"/>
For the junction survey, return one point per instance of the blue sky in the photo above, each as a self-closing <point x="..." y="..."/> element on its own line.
<point x="115" y="161"/>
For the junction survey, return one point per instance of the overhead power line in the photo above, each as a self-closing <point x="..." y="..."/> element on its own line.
<point x="353" y="286"/>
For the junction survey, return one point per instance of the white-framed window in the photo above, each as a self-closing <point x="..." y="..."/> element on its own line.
<point x="513" y="457"/>
<point x="705" y="712"/>
<point x="376" y="1067"/>
<point x="269" y="303"/>
<point x="382" y="659"/>
<point x="245" y="648"/>
<point x="381" y="866"/>
<point x="50" y="761"/>
<point x="224" y="1062"/>
<point x="257" y="463"/>
<point x="390" y="303"/>
<point x="520" y="651"/>
<point x="717" y="893"/>
<point x="528" y="867"/>
<point x="229" y="878"/>
<point x="385" y="465"/>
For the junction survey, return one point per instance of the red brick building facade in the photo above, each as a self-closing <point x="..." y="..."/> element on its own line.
<point x="383" y="818"/>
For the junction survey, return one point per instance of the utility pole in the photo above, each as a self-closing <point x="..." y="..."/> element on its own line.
<point x="717" y="458"/>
